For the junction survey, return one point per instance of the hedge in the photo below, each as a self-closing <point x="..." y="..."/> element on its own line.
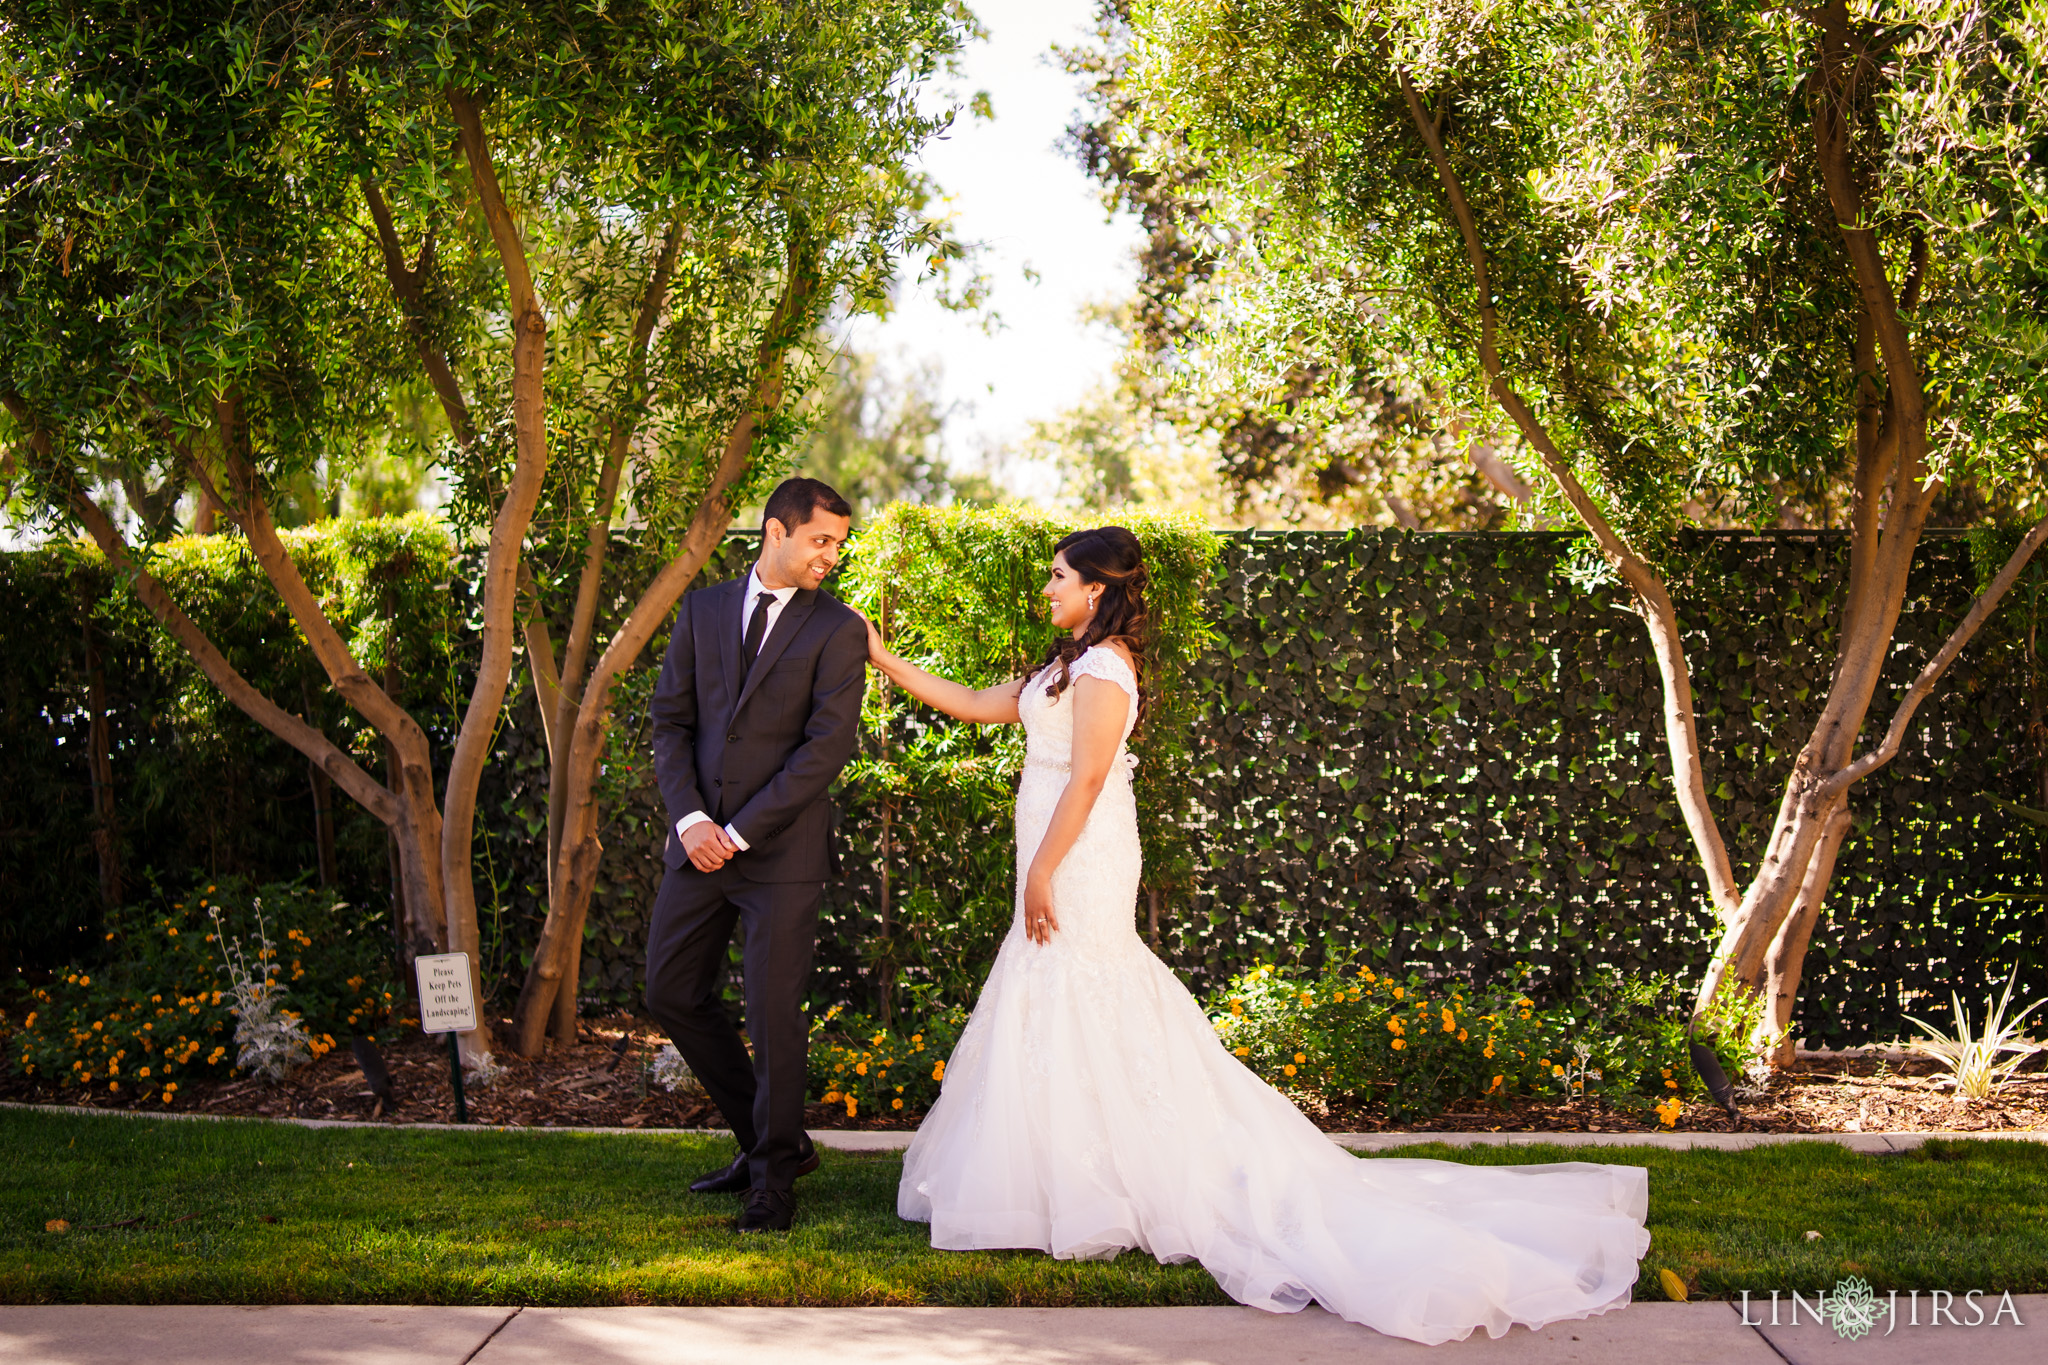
<point x="1419" y="751"/>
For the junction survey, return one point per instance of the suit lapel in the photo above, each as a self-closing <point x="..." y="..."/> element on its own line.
<point x="786" y="626"/>
<point x="729" y="635"/>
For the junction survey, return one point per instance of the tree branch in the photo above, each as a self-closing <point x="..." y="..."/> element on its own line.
<point x="405" y="284"/>
<point x="1653" y="601"/>
<point x="577" y="863"/>
<point x="1980" y="611"/>
<point x="328" y="757"/>
<point x="583" y="620"/>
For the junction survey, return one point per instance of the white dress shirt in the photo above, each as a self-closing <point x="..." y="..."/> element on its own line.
<point x="778" y="599"/>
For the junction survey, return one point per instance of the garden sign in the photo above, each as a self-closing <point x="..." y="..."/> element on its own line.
<point x="447" y="1005"/>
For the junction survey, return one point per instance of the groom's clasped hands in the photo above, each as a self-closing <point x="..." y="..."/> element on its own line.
<point x="707" y="846"/>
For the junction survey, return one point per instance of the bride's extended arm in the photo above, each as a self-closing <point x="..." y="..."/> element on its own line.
<point x="989" y="706"/>
<point x="1100" y="708"/>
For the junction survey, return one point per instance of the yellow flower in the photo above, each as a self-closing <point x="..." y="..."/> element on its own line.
<point x="860" y="1068"/>
<point x="1487" y="1051"/>
<point x="850" y="1106"/>
<point x="831" y="1097"/>
<point x="1237" y="1007"/>
<point x="896" y="1103"/>
<point x="1461" y="1035"/>
<point x="1301" y="1057"/>
<point x="1394" y="1026"/>
<point x="939" y="1072"/>
<point x="1397" y="992"/>
<point x="1289" y="1069"/>
<point x="1450" y="1024"/>
<point x="1400" y="1043"/>
<point x="1496" y="1084"/>
<point x="1242" y="1051"/>
<point x="86" y="981"/>
<point x="144" y="1073"/>
<point x="1557" y="1071"/>
<point x="172" y="932"/>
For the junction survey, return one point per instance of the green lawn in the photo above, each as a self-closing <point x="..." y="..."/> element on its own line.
<point x="275" y="1214"/>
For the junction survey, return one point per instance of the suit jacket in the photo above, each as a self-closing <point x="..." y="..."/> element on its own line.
<point x="759" y="755"/>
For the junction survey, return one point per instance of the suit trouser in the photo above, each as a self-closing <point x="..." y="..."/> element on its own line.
<point x="762" y="1098"/>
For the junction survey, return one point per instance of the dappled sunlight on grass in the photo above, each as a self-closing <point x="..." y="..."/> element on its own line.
<point x="238" y="1212"/>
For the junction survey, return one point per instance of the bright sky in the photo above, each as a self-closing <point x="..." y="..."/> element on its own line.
<point x="1031" y="205"/>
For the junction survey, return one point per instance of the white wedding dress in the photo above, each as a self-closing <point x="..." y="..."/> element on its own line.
<point x="1090" y="1108"/>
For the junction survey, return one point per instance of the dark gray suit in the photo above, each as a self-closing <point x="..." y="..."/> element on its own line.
<point x="756" y="749"/>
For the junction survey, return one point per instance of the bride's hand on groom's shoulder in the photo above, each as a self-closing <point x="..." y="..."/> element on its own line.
<point x="878" y="653"/>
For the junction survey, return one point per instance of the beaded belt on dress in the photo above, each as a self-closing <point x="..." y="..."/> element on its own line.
<point x="1062" y="765"/>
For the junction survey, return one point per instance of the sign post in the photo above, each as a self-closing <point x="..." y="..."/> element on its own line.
<point x="448" y="1005"/>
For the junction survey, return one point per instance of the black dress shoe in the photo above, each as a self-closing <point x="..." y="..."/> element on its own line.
<point x="734" y="1178"/>
<point x="768" y="1211"/>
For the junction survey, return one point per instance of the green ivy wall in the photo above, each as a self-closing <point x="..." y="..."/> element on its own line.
<point x="1439" y="751"/>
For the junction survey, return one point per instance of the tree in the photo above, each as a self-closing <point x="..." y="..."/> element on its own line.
<point x="1295" y="441"/>
<point x="1717" y="246"/>
<point x="230" y="235"/>
<point x="694" y="327"/>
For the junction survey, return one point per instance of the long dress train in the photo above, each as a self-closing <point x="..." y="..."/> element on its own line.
<point x="1089" y="1108"/>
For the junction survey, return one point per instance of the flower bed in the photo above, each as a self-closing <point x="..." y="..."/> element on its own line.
<point x="160" y="1012"/>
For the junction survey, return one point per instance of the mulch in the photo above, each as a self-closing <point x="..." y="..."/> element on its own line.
<point x="602" y="1082"/>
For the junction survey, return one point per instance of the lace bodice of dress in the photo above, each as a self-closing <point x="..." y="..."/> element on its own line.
<point x="1049" y="721"/>
<point x="1095" y="887"/>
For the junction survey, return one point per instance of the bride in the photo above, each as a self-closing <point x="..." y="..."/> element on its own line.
<point x="1090" y="1108"/>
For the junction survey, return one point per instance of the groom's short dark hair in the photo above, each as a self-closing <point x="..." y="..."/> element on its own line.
<point x="796" y="501"/>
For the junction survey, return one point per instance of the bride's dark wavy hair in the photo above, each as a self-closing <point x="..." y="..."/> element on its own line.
<point x="1111" y="556"/>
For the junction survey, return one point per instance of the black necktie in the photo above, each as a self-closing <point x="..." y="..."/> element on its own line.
<point x="756" y="629"/>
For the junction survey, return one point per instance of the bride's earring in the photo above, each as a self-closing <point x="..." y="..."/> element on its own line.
<point x="1091" y="602"/>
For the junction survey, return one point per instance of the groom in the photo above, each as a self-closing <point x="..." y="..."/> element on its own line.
<point x="754" y="715"/>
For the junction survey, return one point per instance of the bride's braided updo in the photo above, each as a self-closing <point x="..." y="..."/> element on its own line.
<point x="1112" y="557"/>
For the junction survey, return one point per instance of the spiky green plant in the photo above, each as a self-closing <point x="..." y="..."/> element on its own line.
<point x="1973" y="1057"/>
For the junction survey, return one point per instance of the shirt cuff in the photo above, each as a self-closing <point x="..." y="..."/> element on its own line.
<point x="698" y="817"/>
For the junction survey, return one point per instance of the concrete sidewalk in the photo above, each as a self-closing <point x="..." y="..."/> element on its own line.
<point x="1642" y="1334"/>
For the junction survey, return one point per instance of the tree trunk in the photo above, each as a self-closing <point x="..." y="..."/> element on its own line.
<point x="323" y="823"/>
<point x="501" y="564"/>
<point x="1787" y="957"/>
<point x="106" y="832"/>
<point x="886" y="912"/>
<point x="581" y="747"/>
